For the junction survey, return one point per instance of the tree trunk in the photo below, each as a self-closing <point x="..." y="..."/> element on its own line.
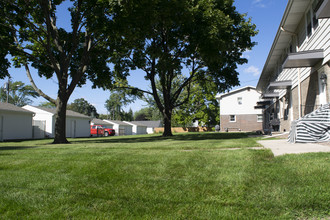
<point x="167" y="123"/>
<point x="60" y="121"/>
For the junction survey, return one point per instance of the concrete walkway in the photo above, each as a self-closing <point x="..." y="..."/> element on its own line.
<point x="281" y="147"/>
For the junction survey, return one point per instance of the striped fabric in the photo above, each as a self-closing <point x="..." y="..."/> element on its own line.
<point x="313" y="127"/>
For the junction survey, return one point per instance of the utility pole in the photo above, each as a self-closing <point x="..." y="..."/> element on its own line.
<point x="6" y="87"/>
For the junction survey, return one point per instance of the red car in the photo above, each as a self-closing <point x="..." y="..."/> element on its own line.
<point x="97" y="130"/>
<point x="109" y="131"/>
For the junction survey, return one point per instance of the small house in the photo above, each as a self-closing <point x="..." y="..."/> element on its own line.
<point x="237" y="112"/>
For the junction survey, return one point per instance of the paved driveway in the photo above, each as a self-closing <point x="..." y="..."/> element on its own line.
<point x="281" y="147"/>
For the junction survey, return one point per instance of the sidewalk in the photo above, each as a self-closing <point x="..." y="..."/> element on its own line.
<point x="281" y="147"/>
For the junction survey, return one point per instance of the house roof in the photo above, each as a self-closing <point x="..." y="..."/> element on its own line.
<point x="68" y="112"/>
<point x="13" y="108"/>
<point x="117" y="122"/>
<point x="135" y="123"/>
<point x="153" y="124"/>
<point x="97" y="121"/>
<point x="235" y="91"/>
<point x="292" y="16"/>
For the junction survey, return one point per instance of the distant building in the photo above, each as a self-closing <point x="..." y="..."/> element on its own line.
<point x="151" y="125"/>
<point x="77" y="125"/>
<point x="121" y="128"/>
<point x="137" y="128"/>
<point x="105" y="124"/>
<point x="237" y="112"/>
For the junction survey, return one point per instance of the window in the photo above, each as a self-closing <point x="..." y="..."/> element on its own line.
<point x="232" y="118"/>
<point x="311" y="20"/>
<point x="239" y="100"/>
<point x="259" y="118"/>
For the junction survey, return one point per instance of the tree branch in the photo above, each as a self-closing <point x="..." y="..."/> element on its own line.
<point x="41" y="93"/>
<point x="133" y="88"/>
<point x="51" y="31"/>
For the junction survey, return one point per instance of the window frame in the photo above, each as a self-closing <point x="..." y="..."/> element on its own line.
<point x="311" y="21"/>
<point x="240" y="100"/>
<point x="230" y="118"/>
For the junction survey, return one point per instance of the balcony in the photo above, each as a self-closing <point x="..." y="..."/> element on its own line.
<point x="263" y="104"/>
<point x="323" y="9"/>
<point x="280" y="85"/>
<point x="270" y="95"/>
<point x="303" y="59"/>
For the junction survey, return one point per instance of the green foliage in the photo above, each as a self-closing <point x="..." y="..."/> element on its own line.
<point x="183" y="41"/>
<point x="115" y="104"/>
<point x="148" y="114"/>
<point x="47" y="105"/>
<point x="84" y="107"/>
<point x="19" y="93"/>
<point x="201" y="105"/>
<point x="73" y="55"/>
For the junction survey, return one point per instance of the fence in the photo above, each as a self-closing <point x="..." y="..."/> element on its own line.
<point x="184" y="129"/>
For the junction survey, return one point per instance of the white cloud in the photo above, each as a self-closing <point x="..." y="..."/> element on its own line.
<point x="246" y="54"/>
<point x="259" y="3"/>
<point x="253" y="70"/>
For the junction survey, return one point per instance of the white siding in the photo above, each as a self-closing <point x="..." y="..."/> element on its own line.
<point x="141" y="130"/>
<point x="230" y="106"/>
<point x="41" y="115"/>
<point x="16" y="125"/>
<point x="77" y="127"/>
<point x="320" y="39"/>
<point x="150" y="130"/>
<point x="135" y="129"/>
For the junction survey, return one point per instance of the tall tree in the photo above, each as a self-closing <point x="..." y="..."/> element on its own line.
<point x="72" y="54"/>
<point x="186" y="39"/>
<point x="17" y="93"/>
<point x="84" y="107"/>
<point x="201" y="105"/>
<point x="150" y="113"/>
<point x="115" y="104"/>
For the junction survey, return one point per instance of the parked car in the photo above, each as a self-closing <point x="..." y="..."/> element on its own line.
<point x="97" y="130"/>
<point x="109" y="131"/>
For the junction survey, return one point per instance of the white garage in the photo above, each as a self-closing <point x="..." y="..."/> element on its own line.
<point x="15" y="122"/>
<point x="77" y="125"/>
<point x="137" y="128"/>
<point x="121" y="128"/>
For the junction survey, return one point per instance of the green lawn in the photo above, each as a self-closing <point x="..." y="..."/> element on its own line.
<point x="188" y="176"/>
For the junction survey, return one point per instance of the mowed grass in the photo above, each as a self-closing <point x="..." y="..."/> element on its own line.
<point x="188" y="176"/>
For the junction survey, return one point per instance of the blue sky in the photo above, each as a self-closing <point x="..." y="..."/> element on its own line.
<point x="266" y="14"/>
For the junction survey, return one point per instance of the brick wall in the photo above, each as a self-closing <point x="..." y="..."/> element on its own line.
<point x="243" y="122"/>
<point x="184" y="129"/>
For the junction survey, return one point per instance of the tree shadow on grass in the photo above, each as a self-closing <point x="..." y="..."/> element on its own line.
<point x="14" y="148"/>
<point x="158" y="138"/>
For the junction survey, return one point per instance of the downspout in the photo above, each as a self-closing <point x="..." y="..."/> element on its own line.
<point x="299" y="94"/>
<point x="299" y="72"/>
